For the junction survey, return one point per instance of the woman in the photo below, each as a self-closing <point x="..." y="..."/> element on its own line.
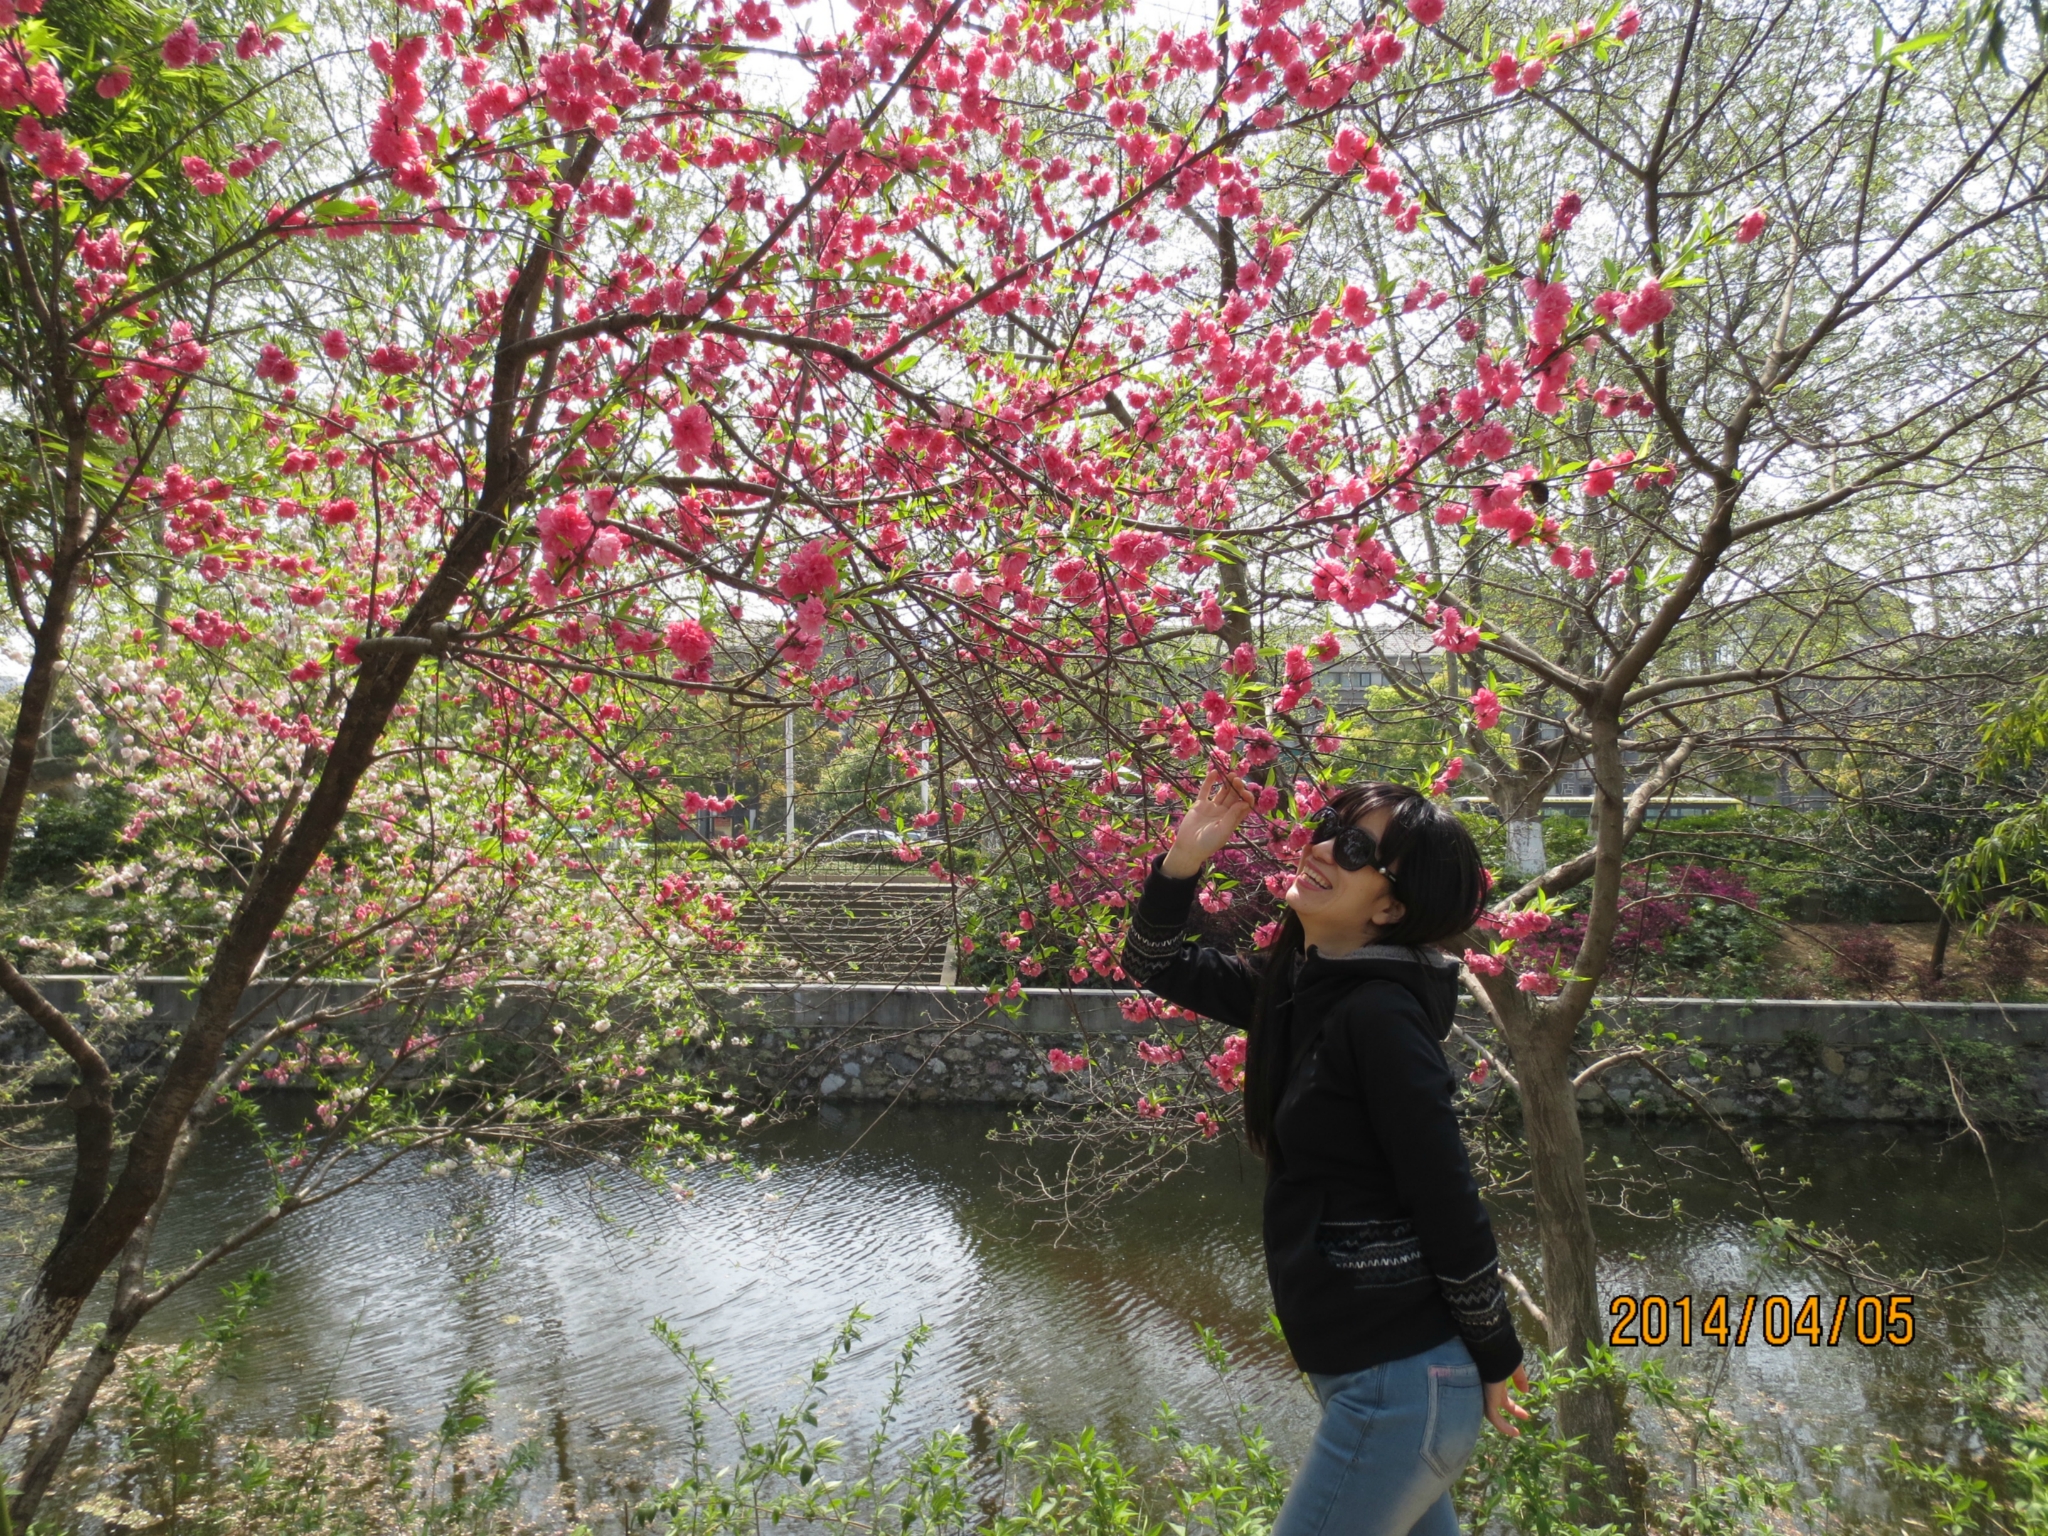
<point x="1379" y="1252"/>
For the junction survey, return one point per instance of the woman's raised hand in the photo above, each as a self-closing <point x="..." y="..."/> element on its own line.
<point x="1220" y="806"/>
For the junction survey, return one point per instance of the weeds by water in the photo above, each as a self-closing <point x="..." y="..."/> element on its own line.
<point x="161" y="1460"/>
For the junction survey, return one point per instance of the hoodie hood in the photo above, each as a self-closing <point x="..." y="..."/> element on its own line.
<point x="1430" y="974"/>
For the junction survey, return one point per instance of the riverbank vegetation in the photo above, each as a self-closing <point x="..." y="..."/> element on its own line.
<point x="163" y="1458"/>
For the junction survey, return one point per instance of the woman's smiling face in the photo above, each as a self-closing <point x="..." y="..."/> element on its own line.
<point x="1341" y="908"/>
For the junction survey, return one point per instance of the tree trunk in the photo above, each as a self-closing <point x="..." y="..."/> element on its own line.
<point x="133" y="1301"/>
<point x="36" y="1333"/>
<point x="1525" y="848"/>
<point x="40" y="1469"/>
<point x="1564" y="1225"/>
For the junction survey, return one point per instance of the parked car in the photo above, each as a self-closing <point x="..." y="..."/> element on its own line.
<point x="875" y="843"/>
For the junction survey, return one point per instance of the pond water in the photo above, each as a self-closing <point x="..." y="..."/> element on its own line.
<point x="549" y="1283"/>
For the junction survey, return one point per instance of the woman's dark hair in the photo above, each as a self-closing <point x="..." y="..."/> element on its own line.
<point x="1441" y="883"/>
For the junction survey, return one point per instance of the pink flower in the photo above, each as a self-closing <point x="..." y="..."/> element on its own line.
<point x="1356" y="305"/>
<point x="1478" y="1075"/>
<point x="1753" y="223"/>
<point x="1061" y="1062"/>
<point x="811" y="570"/>
<point x="1525" y="923"/>
<point x="1631" y="20"/>
<point x="206" y="181"/>
<point x="1507" y="74"/>
<point x="689" y="642"/>
<point x="1532" y="72"/>
<point x="1349" y="148"/>
<point x="1567" y="211"/>
<point x="1208" y="1124"/>
<point x="114" y="82"/>
<point x="254" y="43"/>
<point x="1485" y="709"/>
<point x="1541" y="983"/>
<point x="1585" y="564"/>
<point x="1599" y="478"/>
<point x="1553" y="307"/>
<point x="334" y="344"/>
<point x="1265" y="934"/>
<point x="46" y="92"/>
<point x="1147" y="1110"/>
<point x="207" y="628"/>
<point x="1158" y="1055"/>
<point x="1426" y="12"/>
<point x="1649" y="304"/>
<point x="1242" y="661"/>
<point x="1453" y="771"/>
<point x="1484" y="964"/>
<point x="690" y="434"/>
<point x="275" y="366"/>
<point x="183" y="49"/>
<point x="394" y="360"/>
<point x="843" y="136"/>
<point x="341" y="509"/>
<point x="1455" y="635"/>
<point x="1227" y="1065"/>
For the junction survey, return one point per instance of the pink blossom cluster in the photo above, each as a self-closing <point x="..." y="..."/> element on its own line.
<point x="1227" y="1065"/>
<point x="184" y="49"/>
<point x="1355" y="572"/>
<point x="39" y="86"/>
<point x="691" y="644"/>
<point x="1453" y="633"/>
<point x="394" y="141"/>
<point x="1636" y="311"/>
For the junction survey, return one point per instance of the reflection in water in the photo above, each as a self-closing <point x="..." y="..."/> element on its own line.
<point x="549" y="1283"/>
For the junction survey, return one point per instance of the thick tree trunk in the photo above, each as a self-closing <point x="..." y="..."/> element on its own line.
<point x="1525" y="848"/>
<point x="133" y="1301"/>
<point x="40" y="1470"/>
<point x="38" y="1331"/>
<point x="1564" y="1225"/>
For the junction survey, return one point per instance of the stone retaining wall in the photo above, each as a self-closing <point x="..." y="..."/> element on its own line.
<point x="1777" y="1059"/>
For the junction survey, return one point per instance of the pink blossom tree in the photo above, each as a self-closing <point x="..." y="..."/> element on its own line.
<point x="403" y="481"/>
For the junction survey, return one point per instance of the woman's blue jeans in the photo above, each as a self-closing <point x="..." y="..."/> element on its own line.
<point x="1393" y="1439"/>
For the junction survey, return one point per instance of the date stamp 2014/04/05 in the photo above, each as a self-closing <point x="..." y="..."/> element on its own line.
<point x="1776" y="1320"/>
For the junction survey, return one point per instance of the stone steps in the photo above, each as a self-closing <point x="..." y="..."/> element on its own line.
<point x="890" y="934"/>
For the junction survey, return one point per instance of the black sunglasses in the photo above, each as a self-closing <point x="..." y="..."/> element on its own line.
<point x="1352" y="847"/>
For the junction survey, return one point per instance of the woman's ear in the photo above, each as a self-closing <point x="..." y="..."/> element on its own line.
<point x="1387" y="911"/>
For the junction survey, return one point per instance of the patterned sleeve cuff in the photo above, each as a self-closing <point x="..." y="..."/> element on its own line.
<point x="1479" y="1306"/>
<point x="1158" y="923"/>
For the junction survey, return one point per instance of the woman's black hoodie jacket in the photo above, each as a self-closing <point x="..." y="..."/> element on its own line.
<point x="1377" y="1244"/>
